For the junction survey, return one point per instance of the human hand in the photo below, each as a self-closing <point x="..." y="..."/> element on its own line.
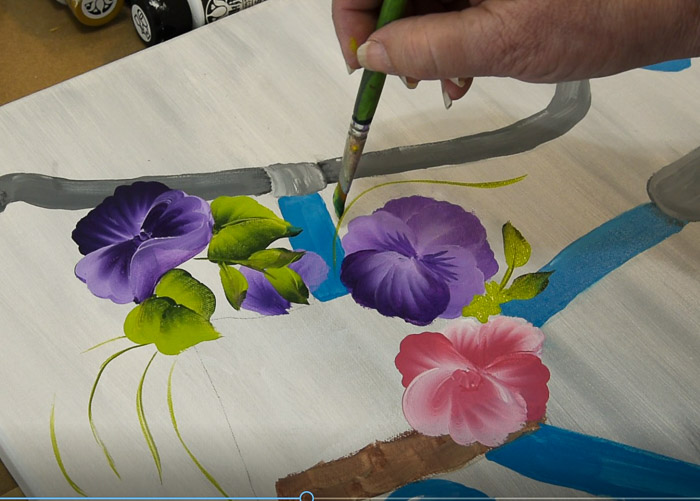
<point x="531" y="40"/>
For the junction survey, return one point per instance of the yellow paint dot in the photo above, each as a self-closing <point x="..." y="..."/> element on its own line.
<point x="353" y="45"/>
<point x="354" y="148"/>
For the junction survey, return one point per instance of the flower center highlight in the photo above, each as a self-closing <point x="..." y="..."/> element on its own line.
<point x="466" y="380"/>
<point x="143" y="236"/>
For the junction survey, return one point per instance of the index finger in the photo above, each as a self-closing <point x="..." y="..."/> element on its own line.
<point x="354" y="21"/>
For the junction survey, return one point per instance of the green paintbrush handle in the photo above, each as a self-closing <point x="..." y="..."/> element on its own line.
<point x="373" y="82"/>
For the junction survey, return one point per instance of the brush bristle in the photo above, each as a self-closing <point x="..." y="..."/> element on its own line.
<point x="339" y="198"/>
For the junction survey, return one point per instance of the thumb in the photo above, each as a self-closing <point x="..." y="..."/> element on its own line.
<point x="437" y="46"/>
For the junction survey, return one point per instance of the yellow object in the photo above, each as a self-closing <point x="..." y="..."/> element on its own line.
<point x="353" y="45"/>
<point x="95" y="12"/>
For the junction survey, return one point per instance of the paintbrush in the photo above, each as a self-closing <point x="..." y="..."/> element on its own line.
<point x="366" y="103"/>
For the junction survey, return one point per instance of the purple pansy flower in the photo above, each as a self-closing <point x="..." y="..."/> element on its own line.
<point x="135" y="236"/>
<point x="417" y="258"/>
<point x="263" y="298"/>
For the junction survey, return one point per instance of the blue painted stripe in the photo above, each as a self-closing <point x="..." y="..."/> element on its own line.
<point x="436" y="488"/>
<point x="593" y="256"/>
<point x="597" y="466"/>
<point x="670" y="66"/>
<point x="310" y="213"/>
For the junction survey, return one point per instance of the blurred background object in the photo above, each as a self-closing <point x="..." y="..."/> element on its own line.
<point x="94" y="12"/>
<point x="159" y="20"/>
<point x="43" y="44"/>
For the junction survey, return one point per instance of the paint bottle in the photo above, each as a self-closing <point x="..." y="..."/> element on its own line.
<point x="94" y="12"/>
<point x="159" y="20"/>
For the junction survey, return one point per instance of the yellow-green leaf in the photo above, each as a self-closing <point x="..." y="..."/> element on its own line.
<point x="235" y="285"/>
<point x="228" y="210"/>
<point x="289" y="284"/>
<point x="182" y="328"/>
<point x="142" y="324"/>
<point x="182" y="288"/>
<point x="528" y="286"/>
<point x="517" y="250"/>
<point x="493" y="290"/>
<point x="484" y="305"/>
<point x="171" y="327"/>
<point x="237" y="242"/>
<point x="271" y="258"/>
<point x="481" y="307"/>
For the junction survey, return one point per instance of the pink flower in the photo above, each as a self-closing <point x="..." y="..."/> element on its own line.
<point x="476" y="382"/>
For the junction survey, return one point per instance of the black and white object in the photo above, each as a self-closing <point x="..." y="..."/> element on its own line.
<point x="159" y="20"/>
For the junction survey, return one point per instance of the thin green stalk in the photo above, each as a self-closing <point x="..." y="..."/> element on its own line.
<point x="57" y="453"/>
<point x="486" y="185"/>
<point x="144" y="424"/>
<point x="92" y="396"/>
<point x="104" y="343"/>
<point x="208" y="475"/>
<point x="506" y="277"/>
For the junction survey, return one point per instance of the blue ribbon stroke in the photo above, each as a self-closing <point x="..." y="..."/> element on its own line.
<point x="593" y="256"/>
<point x="670" y="66"/>
<point x="596" y="465"/>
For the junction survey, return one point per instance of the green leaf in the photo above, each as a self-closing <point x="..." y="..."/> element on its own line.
<point x="517" y="250"/>
<point x="171" y="327"/>
<point x="493" y="290"/>
<point x="230" y="210"/>
<point x="271" y="258"/>
<point x="176" y="317"/>
<point x="185" y="290"/>
<point x="484" y="305"/>
<point x="528" y="286"/>
<point x="235" y="285"/>
<point x="481" y="307"/>
<point x="142" y="324"/>
<point x="242" y="227"/>
<point x="239" y="241"/>
<point x="289" y="284"/>
<point x="182" y="328"/>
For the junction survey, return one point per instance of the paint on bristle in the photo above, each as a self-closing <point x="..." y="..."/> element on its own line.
<point x="339" y="198"/>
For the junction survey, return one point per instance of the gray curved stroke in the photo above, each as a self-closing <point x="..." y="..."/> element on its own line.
<point x="675" y="189"/>
<point x="570" y="103"/>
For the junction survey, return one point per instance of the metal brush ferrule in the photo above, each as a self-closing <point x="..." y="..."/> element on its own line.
<point x="358" y="130"/>
<point x="355" y="143"/>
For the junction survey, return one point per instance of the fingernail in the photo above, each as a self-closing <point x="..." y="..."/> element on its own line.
<point x="446" y="98"/>
<point x="409" y="83"/>
<point x="350" y="70"/>
<point x="372" y="56"/>
<point x="459" y="82"/>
